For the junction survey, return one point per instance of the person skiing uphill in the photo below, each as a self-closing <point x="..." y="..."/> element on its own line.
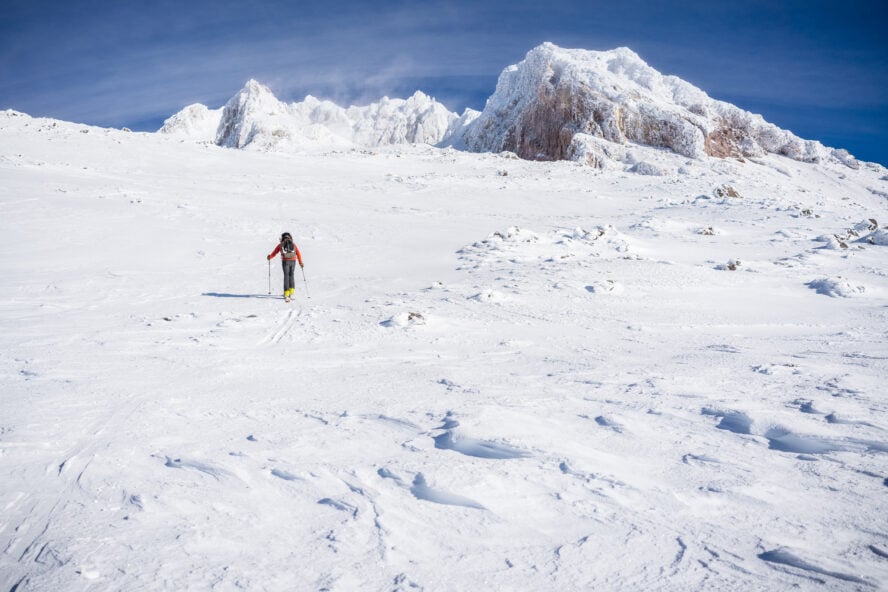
<point x="289" y="255"/>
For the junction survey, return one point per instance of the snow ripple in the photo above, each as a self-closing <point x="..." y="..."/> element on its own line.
<point x="476" y="448"/>
<point x="784" y="557"/>
<point x="421" y="490"/>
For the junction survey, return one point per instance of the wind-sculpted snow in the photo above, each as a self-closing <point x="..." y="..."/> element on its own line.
<point x="784" y="439"/>
<point x="514" y="245"/>
<point x="448" y="440"/>
<point x="421" y="490"/>
<point x="836" y="287"/>
<point x="786" y="558"/>
<point x="878" y="238"/>
<point x="733" y="421"/>
<point x="495" y="373"/>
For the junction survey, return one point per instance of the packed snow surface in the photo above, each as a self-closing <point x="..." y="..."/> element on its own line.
<point x="497" y="374"/>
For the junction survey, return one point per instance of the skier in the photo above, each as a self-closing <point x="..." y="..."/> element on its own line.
<point x="289" y="255"/>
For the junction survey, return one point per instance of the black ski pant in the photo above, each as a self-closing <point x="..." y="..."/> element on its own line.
<point x="289" y="269"/>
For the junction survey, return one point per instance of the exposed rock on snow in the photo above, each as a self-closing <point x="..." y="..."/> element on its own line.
<point x="879" y="237"/>
<point x="864" y="232"/>
<point x="515" y="246"/>
<point x="404" y="319"/>
<point x="832" y="242"/>
<point x="732" y="265"/>
<point x="723" y="191"/>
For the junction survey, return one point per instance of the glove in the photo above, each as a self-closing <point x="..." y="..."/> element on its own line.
<point x="268" y="257"/>
<point x="301" y="265"/>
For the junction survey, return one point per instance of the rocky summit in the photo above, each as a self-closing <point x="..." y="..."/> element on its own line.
<point x="593" y="107"/>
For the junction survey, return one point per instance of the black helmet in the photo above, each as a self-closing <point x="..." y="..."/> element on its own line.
<point x="286" y="235"/>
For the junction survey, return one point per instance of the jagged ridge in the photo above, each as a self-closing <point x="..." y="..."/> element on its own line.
<point x="255" y="118"/>
<point x="560" y="104"/>
<point x="557" y="104"/>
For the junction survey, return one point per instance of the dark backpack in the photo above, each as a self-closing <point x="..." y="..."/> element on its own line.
<point x="287" y="246"/>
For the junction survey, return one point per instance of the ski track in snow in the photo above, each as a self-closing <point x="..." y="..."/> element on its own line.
<point x="546" y="380"/>
<point x="284" y="327"/>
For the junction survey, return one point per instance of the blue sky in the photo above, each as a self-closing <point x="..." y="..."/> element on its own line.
<point x="817" y="68"/>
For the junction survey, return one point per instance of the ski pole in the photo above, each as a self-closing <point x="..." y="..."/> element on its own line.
<point x="305" y="281"/>
<point x="269" y="277"/>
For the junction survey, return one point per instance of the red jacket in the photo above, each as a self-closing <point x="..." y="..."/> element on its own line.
<point x="292" y="257"/>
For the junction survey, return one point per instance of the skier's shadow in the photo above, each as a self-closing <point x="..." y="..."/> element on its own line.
<point x="225" y="295"/>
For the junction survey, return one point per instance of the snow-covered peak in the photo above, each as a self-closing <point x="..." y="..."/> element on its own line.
<point x="418" y="119"/>
<point x="194" y="121"/>
<point x="561" y="103"/>
<point x="256" y="96"/>
<point x="255" y="118"/>
<point x="247" y="113"/>
<point x="556" y="104"/>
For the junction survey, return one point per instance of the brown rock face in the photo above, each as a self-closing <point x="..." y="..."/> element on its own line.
<point x="545" y="128"/>
<point x="574" y="105"/>
<point x="545" y="131"/>
<point x="724" y="142"/>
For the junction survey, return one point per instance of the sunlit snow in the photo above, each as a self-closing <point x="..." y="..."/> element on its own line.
<point x="496" y="374"/>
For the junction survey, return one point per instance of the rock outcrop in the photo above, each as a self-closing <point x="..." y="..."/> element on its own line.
<point x="557" y="104"/>
<point x="562" y="103"/>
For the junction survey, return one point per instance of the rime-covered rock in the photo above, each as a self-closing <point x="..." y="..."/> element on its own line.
<point x="557" y="104"/>
<point x="253" y="111"/>
<point x="561" y="103"/>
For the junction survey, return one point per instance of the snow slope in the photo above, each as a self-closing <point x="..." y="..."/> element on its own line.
<point x="509" y="375"/>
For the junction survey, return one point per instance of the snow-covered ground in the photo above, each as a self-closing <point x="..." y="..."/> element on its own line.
<point x="508" y="375"/>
